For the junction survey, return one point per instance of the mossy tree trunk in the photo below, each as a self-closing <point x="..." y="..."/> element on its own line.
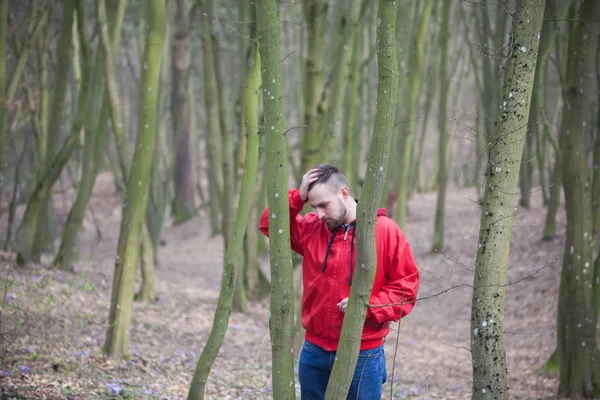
<point x="334" y="121"/>
<point x="235" y="245"/>
<point x="360" y="293"/>
<point x="490" y="377"/>
<point x="406" y="19"/>
<point x="3" y="108"/>
<point x="554" y="201"/>
<point x="549" y="30"/>
<point x="213" y="126"/>
<point x="40" y="198"/>
<point x="8" y="85"/>
<point x="412" y="94"/>
<point x="579" y="360"/>
<point x="184" y="177"/>
<point x="350" y="161"/>
<point x="93" y="149"/>
<point x="109" y="51"/>
<point x="315" y="13"/>
<point x="596" y="176"/>
<point x="95" y="131"/>
<point x="281" y="322"/>
<point x="527" y="159"/>
<point x="547" y="44"/>
<point x="248" y="29"/>
<point x="442" y="176"/>
<point x="417" y="179"/>
<point x="134" y="206"/>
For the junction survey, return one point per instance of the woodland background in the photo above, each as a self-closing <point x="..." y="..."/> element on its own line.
<point x="124" y="140"/>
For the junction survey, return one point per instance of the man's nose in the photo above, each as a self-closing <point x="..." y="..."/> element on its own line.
<point x="320" y="213"/>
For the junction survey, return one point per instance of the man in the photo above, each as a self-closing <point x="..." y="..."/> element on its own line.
<point x="326" y="238"/>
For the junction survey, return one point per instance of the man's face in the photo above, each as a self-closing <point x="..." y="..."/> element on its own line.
<point x="328" y="204"/>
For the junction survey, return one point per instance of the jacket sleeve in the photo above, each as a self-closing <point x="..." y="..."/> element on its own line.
<point x="401" y="286"/>
<point x="297" y="223"/>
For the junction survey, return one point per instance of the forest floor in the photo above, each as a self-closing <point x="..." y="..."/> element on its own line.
<point x="63" y="316"/>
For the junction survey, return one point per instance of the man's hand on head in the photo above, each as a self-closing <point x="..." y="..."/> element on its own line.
<point x="308" y="178"/>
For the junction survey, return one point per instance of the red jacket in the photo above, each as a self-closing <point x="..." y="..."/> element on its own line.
<point x="327" y="275"/>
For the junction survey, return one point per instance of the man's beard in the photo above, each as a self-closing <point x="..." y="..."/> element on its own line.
<point x="335" y="223"/>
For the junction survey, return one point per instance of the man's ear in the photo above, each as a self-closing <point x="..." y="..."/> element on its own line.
<point x="345" y="193"/>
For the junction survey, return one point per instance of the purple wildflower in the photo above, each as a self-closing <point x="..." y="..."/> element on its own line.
<point x="114" y="388"/>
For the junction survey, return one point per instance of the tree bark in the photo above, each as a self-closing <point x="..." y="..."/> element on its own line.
<point x="94" y="146"/>
<point x="9" y="86"/>
<point x="134" y="206"/>
<point x="555" y="185"/>
<point x="147" y="293"/>
<point x="352" y="132"/>
<point x="316" y="23"/>
<point x="95" y="142"/>
<point x="442" y="176"/>
<point x="281" y="322"/>
<point x="213" y="127"/>
<point x="526" y="171"/>
<point x="235" y="247"/>
<point x="3" y="108"/>
<point x="490" y="380"/>
<point x="366" y="257"/>
<point x="41" y="196"/>
<point x="334" y="121"/>
<point x="596" y="175"/>
<point x="578" y="355"/>
<point x="184" y="206"/>
<point x="413" y="90"/>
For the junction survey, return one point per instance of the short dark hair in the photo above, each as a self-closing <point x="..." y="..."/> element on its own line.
<point x="329" y="174"/>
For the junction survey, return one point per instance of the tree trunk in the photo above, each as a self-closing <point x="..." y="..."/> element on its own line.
<point x="438" y="235"/>
<point x="360" y="293"/>
<point x="95" y="142"/>
<point x="134" y="206"/>
<point x="526" y="172"/>
<point x="596" y="176"/>
<point x="576" y="329"/>
<point x="12" y="204"/>
<point x="112" y="91"/>
<point x="316" y="22"/>
<point x="184" y="206"/>
<point x="334" y="121"/>
<point x="95" y="135"/>
<point x="247" y="30"/>
<point x="8" y="87"/>
<point x="159" y="192"/>
<point x="41" y="196"/>
<point x="549" y="31"/>
<point x="256" y="283"/>
<point x="147" y="293"/>
<point x="417" y="181"/>
<point x="351" y="160"/>
<point x="227" y="158"/>
<point x="234" y="251"/>
<point x="490" y="380"/>
<point x="492" y="38"/>
<point x="3" y="108"/>
<point x="413" y="90"/>
<point x="281" y="322"/>
<point x="406" y="17"/>
<point x="213" y="127"/>
<point x="555" y="185"/>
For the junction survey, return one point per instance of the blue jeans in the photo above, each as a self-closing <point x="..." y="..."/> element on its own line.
<point x="316" y="364"/>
